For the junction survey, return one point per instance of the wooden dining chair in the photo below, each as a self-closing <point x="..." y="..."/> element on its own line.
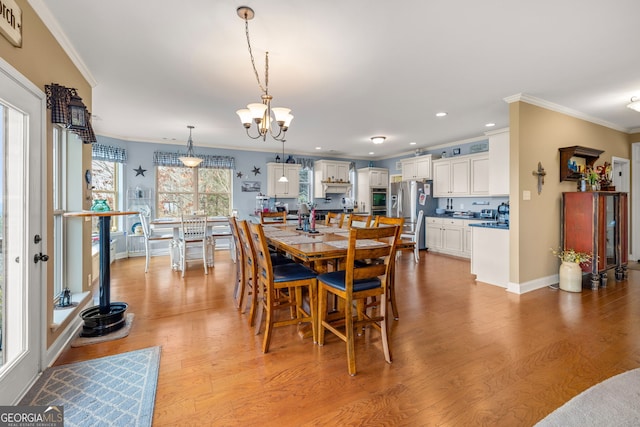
<point x="251" y="288"/>
<point x="149" y="238"/>
<point x="355" y="284"/>
<point x="385" y="221"/>
<point x="273" y="217"/>
<point x="356" y="220"/>
<point x="415" y="236"/>
<point x="380" y="221"/>
<point x="193" y="234"/>
<point x="240" y="259"/>
<point x="334" y="219"/>
<point x="282" y="300"/>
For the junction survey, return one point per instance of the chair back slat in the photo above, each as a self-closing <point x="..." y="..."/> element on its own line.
<point x="273" y="217"/>
<point x="262" y="255"/>
<point x="334" y="219"/>
<point x="382" y="221"/>
<point x="379" y="260"/>
<point x="356" y="220"/>
<point x="194" y="227"/>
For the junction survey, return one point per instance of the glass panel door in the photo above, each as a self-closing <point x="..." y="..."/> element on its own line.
<point x="21" y="279"/>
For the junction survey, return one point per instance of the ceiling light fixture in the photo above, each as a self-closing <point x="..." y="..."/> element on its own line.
<point x="634" y="104"/>
<point x="260" y="113"/>
<point x="190" y="160"/>
<point x="378" y="139"/>
<point x="283" y="178"/>
<point x="490" y="125"/>
<point x="441" y="114"/>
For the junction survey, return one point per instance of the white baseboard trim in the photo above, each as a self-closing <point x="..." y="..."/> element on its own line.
<point x="64" y="339"/>
<point x="542" y="282"/>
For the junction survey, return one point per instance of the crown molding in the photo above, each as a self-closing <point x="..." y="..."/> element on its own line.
<point x="42" y="10"/>
<point x="523" y="97"/>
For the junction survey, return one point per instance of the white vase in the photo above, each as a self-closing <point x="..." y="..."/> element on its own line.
<point x="570" y="277"/>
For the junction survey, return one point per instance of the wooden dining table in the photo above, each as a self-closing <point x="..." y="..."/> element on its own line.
<point x="316" y="249"/>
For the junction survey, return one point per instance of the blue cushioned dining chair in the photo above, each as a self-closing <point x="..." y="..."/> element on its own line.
<point x="356" y="283"/>
<point x="283" y="285"/>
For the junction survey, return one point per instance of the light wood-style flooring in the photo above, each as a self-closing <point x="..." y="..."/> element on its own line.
<point x="464" y="354"/>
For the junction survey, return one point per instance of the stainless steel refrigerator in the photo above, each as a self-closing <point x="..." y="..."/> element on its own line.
<point x="406" y="199"/>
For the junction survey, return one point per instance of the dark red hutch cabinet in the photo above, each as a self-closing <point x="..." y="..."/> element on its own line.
<point x="596" y="222"/>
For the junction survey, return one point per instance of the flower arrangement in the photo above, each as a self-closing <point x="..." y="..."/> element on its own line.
<point x="570" y="255"/>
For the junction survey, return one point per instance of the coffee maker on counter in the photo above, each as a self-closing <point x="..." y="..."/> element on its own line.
<point x="503" y="213"/>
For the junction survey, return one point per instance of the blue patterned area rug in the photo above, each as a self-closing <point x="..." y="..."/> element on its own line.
<point x="116" y="390"/>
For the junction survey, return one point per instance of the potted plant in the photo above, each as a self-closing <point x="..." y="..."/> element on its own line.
<point x="570" y="272"/>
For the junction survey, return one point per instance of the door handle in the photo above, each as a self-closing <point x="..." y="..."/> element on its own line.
<point x="40" y="257"/>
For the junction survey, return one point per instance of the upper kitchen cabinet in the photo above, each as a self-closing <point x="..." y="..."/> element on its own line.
<point x="463" y="176"/>
<point x="331" y="171"/>
<point x="499" y="163"/>
<point x="451" y="177"/>
<point x="479" y="175"/>
<point x="330" y="177"/>
<point x="373" y="177"/>
<point x="290" y="189"/>
<point x="416" y="167"/>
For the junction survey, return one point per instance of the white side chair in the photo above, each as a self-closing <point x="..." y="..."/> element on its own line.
<point x="149" y="238"/>
<point x="194" y="234"/>
<point x="415" y="237"/>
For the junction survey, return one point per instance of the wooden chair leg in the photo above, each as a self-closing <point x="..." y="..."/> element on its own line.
<point x="268" y="324"/>
<point x="322" y="312"/>
<point x="384" y="331"/>
<point x="349" y="333"/>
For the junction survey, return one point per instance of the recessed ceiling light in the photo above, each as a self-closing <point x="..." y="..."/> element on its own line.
<point x="371" y="153"/>
<point x="412" y="143"/>
<point x="441" y="114"/>
<point x="318" y="148"/>
<point x="490" y="125"/>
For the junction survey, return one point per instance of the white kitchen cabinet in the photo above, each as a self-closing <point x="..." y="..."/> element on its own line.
<point x="465" y="176"/>
<point x="331" y="170"/>
<point x="275" y="188"/>
<point x="330" y="177"/>
<point x="373" y="178"/>
<point x="468" y="237"/>
<point x="479" y="175"/>
<point x="416" y="167"/>
<point x="499" y="163"/>
<point x="451" y="177"/>
<point x="445" y="235"/>
<point x="490" y="256"/>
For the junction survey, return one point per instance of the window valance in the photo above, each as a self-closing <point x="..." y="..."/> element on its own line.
<point x="68" y="110"/>
<point x="108" y="153"/>
<point x="165" y="158"/>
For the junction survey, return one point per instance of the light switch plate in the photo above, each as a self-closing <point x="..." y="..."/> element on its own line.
<point x="526" y="195"/>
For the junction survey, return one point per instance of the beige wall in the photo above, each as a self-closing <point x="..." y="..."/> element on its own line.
<point x="43" y="61"/>
<point x="536" y="135"/>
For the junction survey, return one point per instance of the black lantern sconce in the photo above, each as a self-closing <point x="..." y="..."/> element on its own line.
<point x="77" y="112"/>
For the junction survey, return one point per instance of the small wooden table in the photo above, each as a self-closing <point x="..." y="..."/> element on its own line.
<point x="107" y="317"/>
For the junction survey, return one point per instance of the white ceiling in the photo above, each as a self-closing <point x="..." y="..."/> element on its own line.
<point x="348" y="69"/>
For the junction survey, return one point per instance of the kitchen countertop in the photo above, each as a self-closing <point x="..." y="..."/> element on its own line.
<point x="450" y="215"/>
<point x="490" y="225"/>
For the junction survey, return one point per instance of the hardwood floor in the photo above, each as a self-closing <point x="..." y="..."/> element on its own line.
<point x="464" y="354"/>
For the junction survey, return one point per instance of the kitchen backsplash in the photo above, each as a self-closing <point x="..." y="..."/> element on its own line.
<point x="471" y="204"/>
